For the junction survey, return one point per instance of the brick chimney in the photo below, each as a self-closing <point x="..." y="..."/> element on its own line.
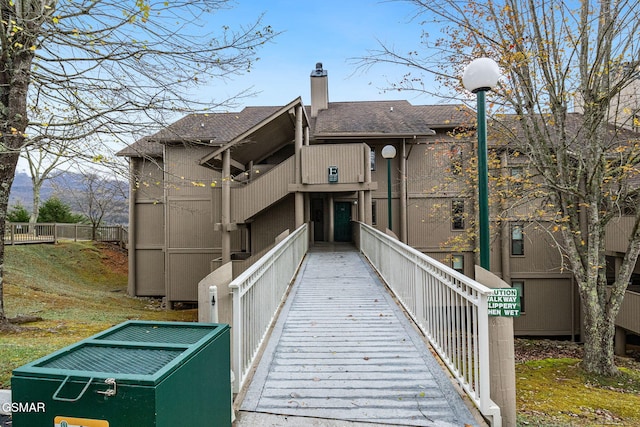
<point x="319" y="90"/>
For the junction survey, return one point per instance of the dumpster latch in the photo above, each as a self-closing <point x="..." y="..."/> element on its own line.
<point x="111" y="391"/>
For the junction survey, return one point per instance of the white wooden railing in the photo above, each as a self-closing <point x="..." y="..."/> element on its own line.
<point x="257" y="295"/>
<point x="450" y="309"/>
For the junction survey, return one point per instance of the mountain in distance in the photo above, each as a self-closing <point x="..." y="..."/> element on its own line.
<point x="60" y="186"/>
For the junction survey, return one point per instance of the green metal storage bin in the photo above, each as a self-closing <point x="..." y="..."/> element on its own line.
<point x="136" y="374"/>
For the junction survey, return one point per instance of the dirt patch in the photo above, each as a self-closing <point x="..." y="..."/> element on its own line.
<point x="539" y="349"/>
<point x="114" y="257"/>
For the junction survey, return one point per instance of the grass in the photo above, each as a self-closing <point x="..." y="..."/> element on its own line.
<point x="557" y="392"/>
<point x="77" y="288"/>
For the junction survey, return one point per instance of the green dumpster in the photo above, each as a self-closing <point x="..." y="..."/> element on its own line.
<point x="137" y="374"/>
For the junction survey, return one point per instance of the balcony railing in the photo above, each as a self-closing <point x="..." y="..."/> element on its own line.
<point x="257" y="296"/>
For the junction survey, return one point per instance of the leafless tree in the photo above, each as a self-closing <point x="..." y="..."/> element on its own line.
<point x="110" y="70"/>
<point x="97" y="196"/>
<point x="557" y="57"/>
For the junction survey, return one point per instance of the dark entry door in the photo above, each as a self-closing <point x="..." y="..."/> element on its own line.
<point x="342" y="222"/>
<point x="317" y="213"/>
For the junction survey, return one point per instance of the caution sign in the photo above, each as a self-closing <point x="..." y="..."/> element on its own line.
<point x="78" y="422"/>
<point x="504" y="302"/>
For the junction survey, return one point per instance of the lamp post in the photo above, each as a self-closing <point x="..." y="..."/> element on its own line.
<point x="480" y="76"/>
<point x="389" y="152"/>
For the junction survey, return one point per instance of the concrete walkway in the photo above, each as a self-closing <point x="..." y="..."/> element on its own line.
<point x="344" y="354"/>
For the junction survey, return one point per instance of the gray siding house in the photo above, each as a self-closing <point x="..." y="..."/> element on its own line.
<point x="219" y="187"/>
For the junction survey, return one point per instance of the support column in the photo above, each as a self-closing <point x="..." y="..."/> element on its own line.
<point x="331" y="218"/>
<point x="501" y="354"/>
<point x="403" y="192"/>
<point x="620" y="342"/>
<point x="299" y="196"/>
<point x="368" y="217"/>
<point x="131" y="282"/>
<point x="225" y="216"/>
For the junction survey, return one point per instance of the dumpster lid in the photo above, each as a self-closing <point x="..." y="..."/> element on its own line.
<point x="113" y="360"/>
<point x="157" y="332"/>
<point x="140" y="352"/>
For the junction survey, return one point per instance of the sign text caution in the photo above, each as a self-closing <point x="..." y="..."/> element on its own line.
<point x="504" y="302"/>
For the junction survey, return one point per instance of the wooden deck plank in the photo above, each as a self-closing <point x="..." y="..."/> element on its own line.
<point x="342" y="349"/>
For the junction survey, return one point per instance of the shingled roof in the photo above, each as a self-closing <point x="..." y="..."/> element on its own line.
<point x="386" y="119"/>
<point x="365" y="119"/>
<point x="210" y="128"/>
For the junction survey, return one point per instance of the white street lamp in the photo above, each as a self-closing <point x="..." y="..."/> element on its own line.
<point x="479" y="76"/>
<point x="389" y="152"/>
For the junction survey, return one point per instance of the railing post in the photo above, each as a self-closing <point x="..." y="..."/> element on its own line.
<point x="236" y="364"/>
<point x="484" y="390"/>
<point x="418" y="283"/>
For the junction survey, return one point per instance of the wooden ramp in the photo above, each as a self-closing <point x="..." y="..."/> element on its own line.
<point x="342" y="349"/>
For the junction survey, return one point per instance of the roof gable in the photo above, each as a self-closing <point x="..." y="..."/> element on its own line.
<point x="202" y="128"/>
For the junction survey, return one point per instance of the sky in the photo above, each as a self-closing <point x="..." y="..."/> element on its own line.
<point x="333" y="32"/>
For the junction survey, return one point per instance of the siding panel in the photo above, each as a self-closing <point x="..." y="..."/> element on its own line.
<point x="349" y="158"/>
<point x="540" y="253"/>
<point x="268" y="225"/>
<point x="148" y="179"/>
<point x="248" y="200"/>
<point x="429" y="169"/>
<point x="430" y="224"/>
<point x="186" y="269"/>
<point x="617" y="233"/>
<point x="629" y="315"/>
<point x="190" y="224"/>
<point x="191" y="240"/>
<point x="547" y="308"/>
<point x="149" y="221"/>
<point x="150" y="273"/>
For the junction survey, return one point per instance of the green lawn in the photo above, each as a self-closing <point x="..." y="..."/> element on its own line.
<point x="78" y="289"/>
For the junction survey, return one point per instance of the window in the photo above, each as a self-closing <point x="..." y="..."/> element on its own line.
<point x="629" y="205"/>
<point x="517" y="240"/>
<point x="519" y="285"/>
<point x="374" y="212"/>
<point x="457" y="263"/>
<point x="516" y="178"/>
<point x="457" y="214"/>
<point x="372" y="159"/>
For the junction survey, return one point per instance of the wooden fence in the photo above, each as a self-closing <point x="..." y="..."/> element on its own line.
<point x="16" y="233"/>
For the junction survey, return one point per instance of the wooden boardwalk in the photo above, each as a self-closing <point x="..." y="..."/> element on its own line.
<point x="343" y="350"/>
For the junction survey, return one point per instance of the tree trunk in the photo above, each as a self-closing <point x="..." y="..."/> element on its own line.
<point x="37" y="186"/>
<point x="598" y="344"/>
<point x="8" y="163"/>
<point x="15" y="75"/>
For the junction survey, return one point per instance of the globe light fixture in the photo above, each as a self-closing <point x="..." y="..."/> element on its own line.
<point x="479" y="76"/>
<point x="389" y="152"/>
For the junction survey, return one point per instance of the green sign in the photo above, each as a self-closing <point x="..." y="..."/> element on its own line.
<point x="504" y="302"/>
